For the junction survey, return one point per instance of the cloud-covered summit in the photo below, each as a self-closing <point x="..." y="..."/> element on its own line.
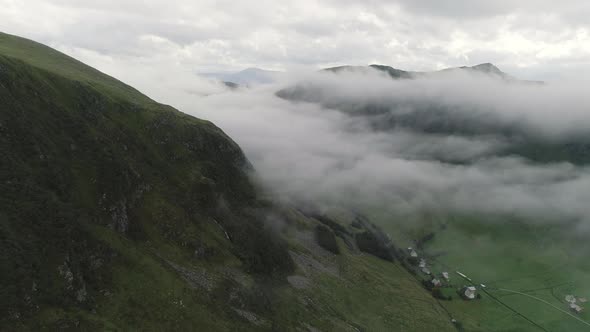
<point x="316" y="150"/>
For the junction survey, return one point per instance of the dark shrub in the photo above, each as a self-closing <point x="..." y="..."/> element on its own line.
<point x="326" y="239"/>
<point x="426" y="238"/>
<point x="368" y="243"/>
<point x="437" y="294"/>
<point x="335" y="226"/>
<point x="413" y="261"/>
<point x="261" y="250"/>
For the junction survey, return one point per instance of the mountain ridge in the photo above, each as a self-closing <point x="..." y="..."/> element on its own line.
<point x="396" y="73"/>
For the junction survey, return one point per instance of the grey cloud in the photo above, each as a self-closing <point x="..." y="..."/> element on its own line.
<point x="550" y="110"/>
<point x="302" y="151"/>
<point x="414" y="35"/>
<point x="477" y="9"/>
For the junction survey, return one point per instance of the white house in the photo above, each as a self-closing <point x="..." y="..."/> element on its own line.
<point x="446" y="276"/>
<point x="576" y="308"/>
<point x="469" y="292"/>
<point x="422" y="263"/>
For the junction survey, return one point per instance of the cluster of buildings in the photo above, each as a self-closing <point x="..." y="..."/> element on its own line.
<point x="467" y="292"/>
<point x="438" y="282"/>
<point x="470" y="292"/>
<point x="423" y="266"/>
<point x="575" y="303"/>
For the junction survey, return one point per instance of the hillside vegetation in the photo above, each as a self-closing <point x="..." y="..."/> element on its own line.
<point x="118" y="213"/>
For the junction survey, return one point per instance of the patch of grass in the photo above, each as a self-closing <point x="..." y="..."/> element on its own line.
<point x="48" y="59"/>
<point x="376" y="295"/>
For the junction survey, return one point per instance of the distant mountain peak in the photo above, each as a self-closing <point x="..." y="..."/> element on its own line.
<point x="391" y="71"/>
<point x="485" y="68"/>
<point x="488" y="68"/>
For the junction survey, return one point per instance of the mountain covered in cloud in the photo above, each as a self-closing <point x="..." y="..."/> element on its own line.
<point x="492" y="172"/>
<point x="395" y="73"/>
<point x="476" y="103"/>
<point x="404" y="145"/>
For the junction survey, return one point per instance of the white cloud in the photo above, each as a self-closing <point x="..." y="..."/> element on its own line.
<point x="533" y="38"/>
<point x="305" y="152"/>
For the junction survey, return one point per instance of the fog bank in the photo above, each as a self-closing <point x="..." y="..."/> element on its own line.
<point x="311" y="151"/>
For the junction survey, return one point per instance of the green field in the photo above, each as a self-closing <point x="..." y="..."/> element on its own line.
<point x="543" y="261"/>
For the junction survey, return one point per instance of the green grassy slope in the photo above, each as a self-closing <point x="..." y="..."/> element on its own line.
<point x="50" y="60"/>
<point x="85" y="165"/>
<point x="118" y="213"/>
<point x="356" y="291"/>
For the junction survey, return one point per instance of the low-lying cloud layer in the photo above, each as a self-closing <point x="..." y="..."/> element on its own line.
<point x="305" y="152"/>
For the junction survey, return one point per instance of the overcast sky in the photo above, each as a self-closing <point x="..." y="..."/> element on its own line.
<point x="534" y="39"/>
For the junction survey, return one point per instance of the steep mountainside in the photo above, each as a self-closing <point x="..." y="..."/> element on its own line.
<point x="80" y="151"/>
<point x="118" y="213"/>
